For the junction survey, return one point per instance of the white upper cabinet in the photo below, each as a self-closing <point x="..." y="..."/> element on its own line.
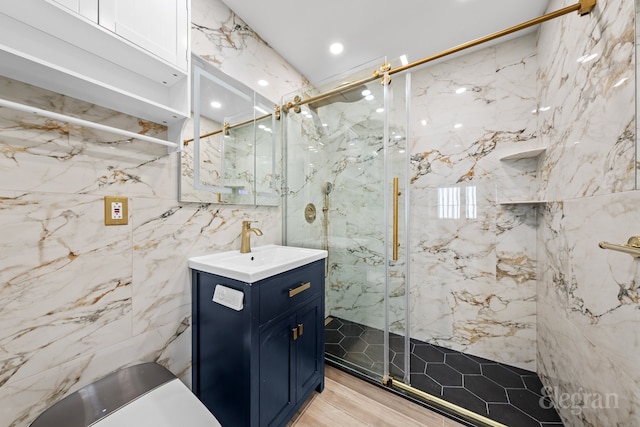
<point x="128" y="55"/>
<point x="151" y="24"/>
<point x="86" y="8"/>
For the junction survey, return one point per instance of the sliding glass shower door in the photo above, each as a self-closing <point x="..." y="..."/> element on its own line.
<point x="346" y="166"/>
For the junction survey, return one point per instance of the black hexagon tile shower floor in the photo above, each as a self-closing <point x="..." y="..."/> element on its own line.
<point x="501" y="392"/>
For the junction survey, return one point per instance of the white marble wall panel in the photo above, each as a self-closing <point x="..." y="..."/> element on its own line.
<point x="165" y="236"/>
<point x="637" y="23"/>
<point x="66" y="281"/>
<point x="587" y="297"/>
<point x="220" y="37"/>
<point x="459" y="137"/>
<point x="473" y="261"/>
<point x="586" y="80"/>
<point x="587" y="310"/>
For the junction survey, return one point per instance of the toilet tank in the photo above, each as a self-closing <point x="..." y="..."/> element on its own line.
<point x="143" y="395"/>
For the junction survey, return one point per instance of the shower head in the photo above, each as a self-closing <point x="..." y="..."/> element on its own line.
<point x="326" y="188"/>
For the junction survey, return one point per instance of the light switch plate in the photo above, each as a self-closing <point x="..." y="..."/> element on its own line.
<point x="116" y="210"/>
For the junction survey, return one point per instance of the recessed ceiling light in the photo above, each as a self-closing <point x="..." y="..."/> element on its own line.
<point x="404" y="60"/>
<point x="380" y="110"/>
<point x="216" y="104"/>
<point x="366" y="92"/>
<point x="263" y="83"/>
<point x="336" y="48"/>
<point x="369" y="97"/>
<point x="461" y="90"/>
<point x="457" y="125"/>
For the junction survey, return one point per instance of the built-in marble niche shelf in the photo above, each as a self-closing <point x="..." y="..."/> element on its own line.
<point x="520" y="199"/>
<point x="524" y="154"/>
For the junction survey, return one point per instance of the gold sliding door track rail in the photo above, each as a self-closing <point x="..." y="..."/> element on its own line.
<point x="584" y="7"/>
<point x="226" y="126"/>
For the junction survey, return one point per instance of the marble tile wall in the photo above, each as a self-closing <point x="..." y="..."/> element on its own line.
<point x="473" y="260"/>
<point x="637" y="46"/>
<point x="78" y="299"/>
<point x="585" y="84"/>
<point x="588" y="301"/>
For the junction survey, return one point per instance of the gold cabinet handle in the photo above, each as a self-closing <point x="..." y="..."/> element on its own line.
<point x="295" y="333"/>
<point x="300" y="329"/>
<point x="301" y="288"/>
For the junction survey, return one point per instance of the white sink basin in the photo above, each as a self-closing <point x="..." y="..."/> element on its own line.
<point x="260" y="263"/>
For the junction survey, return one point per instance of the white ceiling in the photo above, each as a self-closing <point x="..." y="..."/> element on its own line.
<point x="301" y="31"/>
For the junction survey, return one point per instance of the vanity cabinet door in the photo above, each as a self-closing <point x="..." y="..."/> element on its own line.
<point x="158" y="26"/>
<point x="309" y="348"/>
<point x="277" y="392"/>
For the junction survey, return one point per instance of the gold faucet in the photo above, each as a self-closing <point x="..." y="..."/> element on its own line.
<point x="245" y="246"/>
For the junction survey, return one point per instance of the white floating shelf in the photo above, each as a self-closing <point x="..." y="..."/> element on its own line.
<point x="526" y="154"/>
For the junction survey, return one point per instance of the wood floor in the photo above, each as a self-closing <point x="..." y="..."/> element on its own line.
<point x="350" y="401"/>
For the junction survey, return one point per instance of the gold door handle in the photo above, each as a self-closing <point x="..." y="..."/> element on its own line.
<point x="396" y="193"/>
<point x="301" y="288"/>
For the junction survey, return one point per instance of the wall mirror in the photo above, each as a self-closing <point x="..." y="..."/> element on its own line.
<point x="230" y="145"/>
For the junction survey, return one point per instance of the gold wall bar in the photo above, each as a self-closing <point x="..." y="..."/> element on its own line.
<point x="632" y="247"/>
<point x="396" y="193"/>
<point x="583" y="7"/>
<point x="450" y="407"/>
<point x="215" y="132"/>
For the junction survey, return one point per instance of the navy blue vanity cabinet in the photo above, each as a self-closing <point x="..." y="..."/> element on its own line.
<point x="257" y="366"/>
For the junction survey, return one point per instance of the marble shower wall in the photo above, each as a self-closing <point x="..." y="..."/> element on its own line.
<point x="472" y="259"/>
<point x="586" y="85"/>
<point x="588" y="302"/>
<point x="78" y="299"/>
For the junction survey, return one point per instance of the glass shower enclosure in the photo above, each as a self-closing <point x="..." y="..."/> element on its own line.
<point x="346" y="161"/>
<point x="452" y="314"/>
